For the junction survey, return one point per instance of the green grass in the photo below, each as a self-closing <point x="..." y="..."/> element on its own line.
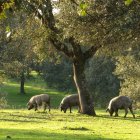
<point x="31" y="125"/>
<point x="32" y="87"/>
<point x="18" y="123"/>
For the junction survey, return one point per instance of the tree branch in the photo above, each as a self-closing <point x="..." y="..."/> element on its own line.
<point x="44" y="13"/>
<point x="90" y="52"/>
<point x="48" y="15"/>
<point x="61" y="47"/>
<point x="76" y="47"/>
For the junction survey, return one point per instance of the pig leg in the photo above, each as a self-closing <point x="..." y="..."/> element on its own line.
<point x="49" y="106"/>
<point x="130" y="108"/>
<point x="35" y="106"/>
<point x="70" y="109"/>
<point x="45" y="106"/>
<point x="116" y="113"/>
<point x="65" y="110"/>
<point x="126" y="111"/>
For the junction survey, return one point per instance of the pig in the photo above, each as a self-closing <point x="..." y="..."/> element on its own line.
<point x="120" y="102"/>
<point x="70" y="101"/>
<point x="39" y="100"/>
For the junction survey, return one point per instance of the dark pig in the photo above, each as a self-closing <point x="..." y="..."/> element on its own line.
<point x="69" y="101"/>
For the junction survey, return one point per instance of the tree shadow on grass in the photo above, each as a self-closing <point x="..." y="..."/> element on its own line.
<point x="25" y="119"/>
<point x="22" y="134"/>
<point x="12" y="120"/>
<point x="31" y="117"/>
<point x="119" y="117"/>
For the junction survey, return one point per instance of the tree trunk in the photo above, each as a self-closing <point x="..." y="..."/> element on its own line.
<point x="22" y="81"/>
<point x="86" y="100"/>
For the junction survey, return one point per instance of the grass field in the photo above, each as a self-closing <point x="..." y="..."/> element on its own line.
<point x="17" y="123"/>
<point x="23" y="124"/>
<point x="32" y="87"/>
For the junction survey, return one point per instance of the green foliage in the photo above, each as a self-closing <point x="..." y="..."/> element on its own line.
<point x="2" y="15"/>
<point x="59" y="75"/>
<point x="8" y="4"/>
<point x="3" y="101"/>
<point x="83" y="5"/>
<point x="128" y="71"/>
<point x="82" y="9"/>
<point x="8" y="29"/>
<point x="128" y="2"/>
<point x="13" y="69"/>
<point x="106" y="22"/>
<point x="4" y="6"/>
<point x="3" y="95"/>
<point x="101" y="81"/>
<point x="19" y="48"/>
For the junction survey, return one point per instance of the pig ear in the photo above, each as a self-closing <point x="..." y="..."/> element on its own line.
<point x="107" y="110"/>
<point x="60" y="105"/>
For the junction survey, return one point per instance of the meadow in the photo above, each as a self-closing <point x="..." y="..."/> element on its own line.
<point x="18" y="123"/>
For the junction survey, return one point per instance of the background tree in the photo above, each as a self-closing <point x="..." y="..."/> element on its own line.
<point x="63" y="79"/>
<point x="128" y="71"/>
<point x="3" y="94"/>
<point x="102" y="83"/>
<point x="18" y="53"/>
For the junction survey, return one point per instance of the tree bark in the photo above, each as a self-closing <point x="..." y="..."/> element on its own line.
<point x="85" y="98"/>
<point x="22" y="81"/>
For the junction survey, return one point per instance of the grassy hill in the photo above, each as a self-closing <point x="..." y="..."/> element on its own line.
<point x="18" y="123"/>
<point x="32" y="87"/>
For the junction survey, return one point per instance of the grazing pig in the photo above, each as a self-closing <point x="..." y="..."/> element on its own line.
<point x="39" y="100"/>
<point x="120" y="102"/>
<point x="69" y="101"/>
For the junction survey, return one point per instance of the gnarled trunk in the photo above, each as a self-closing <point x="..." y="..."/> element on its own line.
<point x="86" y="100"/>
<point x="79" y="59"/>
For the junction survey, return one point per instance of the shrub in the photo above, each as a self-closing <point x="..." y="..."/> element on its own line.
<point x="101" y="81"/>
<point x="128" y="71"/>
<point x="3" y="101"/>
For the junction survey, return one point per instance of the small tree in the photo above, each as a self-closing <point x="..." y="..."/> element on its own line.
<point x="18" y="51"/>
<point x="128" y="71"/>
<point x="3" y="101"/>
<point x="102" y="83"/>
<point x="63" y="79"/>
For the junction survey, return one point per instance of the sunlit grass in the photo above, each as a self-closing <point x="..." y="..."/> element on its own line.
<point x="24" y="124"/>
<point x="33" y="86"/>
